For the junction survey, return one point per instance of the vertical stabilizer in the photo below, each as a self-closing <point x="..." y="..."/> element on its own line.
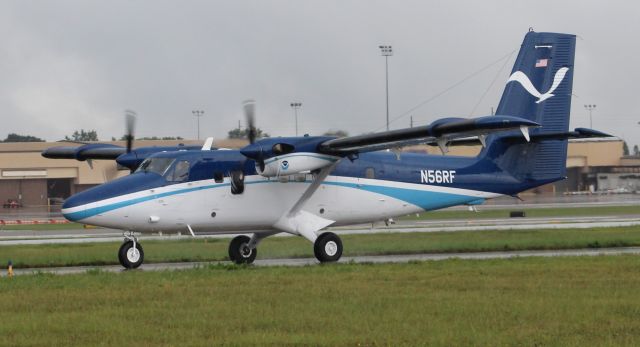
<point x="539" y="89"/>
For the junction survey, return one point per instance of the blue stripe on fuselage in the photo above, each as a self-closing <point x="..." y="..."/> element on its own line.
<point x="426" y="200"/>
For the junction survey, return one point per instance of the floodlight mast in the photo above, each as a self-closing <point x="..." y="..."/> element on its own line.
<point x="198" y="114"/>
<point x="590" y="108"/>
<point x="386" y="51"/>
<point x="296" y="106"/>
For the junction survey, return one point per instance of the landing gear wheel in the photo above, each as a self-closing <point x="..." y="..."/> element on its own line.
<point x="239" y="251"/>
<point x="130" y="257"/>
<point x="237" y="182"/>
<point x="328" y="248"/>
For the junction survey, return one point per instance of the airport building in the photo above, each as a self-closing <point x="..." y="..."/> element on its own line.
<point x="28" y="179"/>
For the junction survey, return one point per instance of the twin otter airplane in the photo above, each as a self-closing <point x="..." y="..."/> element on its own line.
<point x="301" y="185"/>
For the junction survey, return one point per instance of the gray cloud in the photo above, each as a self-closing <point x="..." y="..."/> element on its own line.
<point x="79" y="64"/>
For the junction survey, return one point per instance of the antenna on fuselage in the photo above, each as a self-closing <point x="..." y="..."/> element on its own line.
<point x="207" y="144"/>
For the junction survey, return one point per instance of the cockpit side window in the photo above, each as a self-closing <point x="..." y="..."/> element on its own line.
<point x="282" y="148"/>
<point x="180" y="172"/>
<point x="156" y="165"/>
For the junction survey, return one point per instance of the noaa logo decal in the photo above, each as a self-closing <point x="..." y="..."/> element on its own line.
<point x="284" y="165"/>
<point x="521" y="78"/>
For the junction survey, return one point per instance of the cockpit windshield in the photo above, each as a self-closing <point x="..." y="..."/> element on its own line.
<point x="156" y="165"/>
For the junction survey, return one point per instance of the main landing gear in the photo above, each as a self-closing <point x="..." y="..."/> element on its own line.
<point x="240" y="252"/>
<point x="130" y="254"/>
<point x="243" y="250"/>
<point x="327" y="247"/>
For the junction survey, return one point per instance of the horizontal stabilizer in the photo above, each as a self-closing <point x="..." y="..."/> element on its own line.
<point x="578" y="133"/>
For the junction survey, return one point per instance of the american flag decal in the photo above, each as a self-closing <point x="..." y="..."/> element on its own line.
<point x="542" y="62"/>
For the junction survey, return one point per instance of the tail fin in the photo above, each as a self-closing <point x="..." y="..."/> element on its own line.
<point x="539" y="89"/>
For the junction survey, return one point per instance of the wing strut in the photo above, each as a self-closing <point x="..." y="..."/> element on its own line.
<point x="299" y="222"/>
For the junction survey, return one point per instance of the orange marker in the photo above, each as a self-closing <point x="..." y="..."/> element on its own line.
<point x="10" y="269"/>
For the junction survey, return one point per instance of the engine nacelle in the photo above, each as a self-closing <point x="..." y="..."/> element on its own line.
<point x="295" y="163"/>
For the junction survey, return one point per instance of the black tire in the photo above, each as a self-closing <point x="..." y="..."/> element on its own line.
<point x="237" y="182"/>
<point x="328" y="248"/>
<point x="239" y="252"/>
<point x="129" y="260"/>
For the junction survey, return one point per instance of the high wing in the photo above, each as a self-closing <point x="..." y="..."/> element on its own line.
<point x="104" y="151"/>
<point x="440" y="132"/>
<point x="290" y="155"/>
<point x="85" y="152"/>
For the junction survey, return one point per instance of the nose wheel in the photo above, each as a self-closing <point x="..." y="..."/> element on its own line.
<point x="240" y="252"/>
<point x="131" y="254"/>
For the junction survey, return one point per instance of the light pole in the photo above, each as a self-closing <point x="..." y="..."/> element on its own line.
<point x="386" y="51"/>
<point x="198" y="114"/>
<point x="296" y="106"/>
<point x="590" y="108"/>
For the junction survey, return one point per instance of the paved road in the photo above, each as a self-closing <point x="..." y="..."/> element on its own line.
<point x="363" y="259"/>
<point x="22" y="237"/>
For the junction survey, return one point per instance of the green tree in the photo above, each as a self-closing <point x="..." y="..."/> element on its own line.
<point x="124" y="138"/>
<point x="625" y="148"/>
<point x="13" y="137"/>
<point x="336" y="133"/>
<point x="82" y="135"/>
<point x="239" y="133"/>
<point x="636" y="150"/>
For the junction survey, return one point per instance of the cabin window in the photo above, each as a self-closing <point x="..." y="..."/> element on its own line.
<point x="180" y="172"/>
<point x="218" y="176"/>
<point x="370" y="173"/>
<point x="282" y="148"/>
<point x="156" y="165"/>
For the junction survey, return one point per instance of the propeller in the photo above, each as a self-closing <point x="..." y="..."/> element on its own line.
<point x="249" y="107"/>
<point x="130" y="120"/>
<point x="250" y="115"/>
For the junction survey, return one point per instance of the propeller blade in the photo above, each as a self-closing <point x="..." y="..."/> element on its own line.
<point x="249" y="114"/>
<point x="260" y="160"/>
<point x="130" y="120"/>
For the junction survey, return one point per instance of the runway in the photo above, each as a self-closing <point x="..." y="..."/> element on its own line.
<point x="34" y="237"/>
<point x="377" y="259"/>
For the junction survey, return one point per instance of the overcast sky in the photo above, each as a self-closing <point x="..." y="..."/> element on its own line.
<point x="68" y="65"/>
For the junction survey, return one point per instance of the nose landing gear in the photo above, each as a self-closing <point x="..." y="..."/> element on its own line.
<point x="130" y="254"/>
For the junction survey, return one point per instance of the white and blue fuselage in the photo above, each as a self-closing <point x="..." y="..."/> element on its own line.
<point x="375" y="187"/>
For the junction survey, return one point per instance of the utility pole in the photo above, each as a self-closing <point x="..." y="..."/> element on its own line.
<point x="198" y="114"/>
<point x="296" y="106"/>
<point x="590" y="108"/>
<point x="411" y="122"/>
<point x="386" y="51"/>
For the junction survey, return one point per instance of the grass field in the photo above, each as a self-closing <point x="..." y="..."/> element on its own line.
<point x="573" y="301"/>
<point x="66" y="226"/>
<point x="287" y="247"/>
